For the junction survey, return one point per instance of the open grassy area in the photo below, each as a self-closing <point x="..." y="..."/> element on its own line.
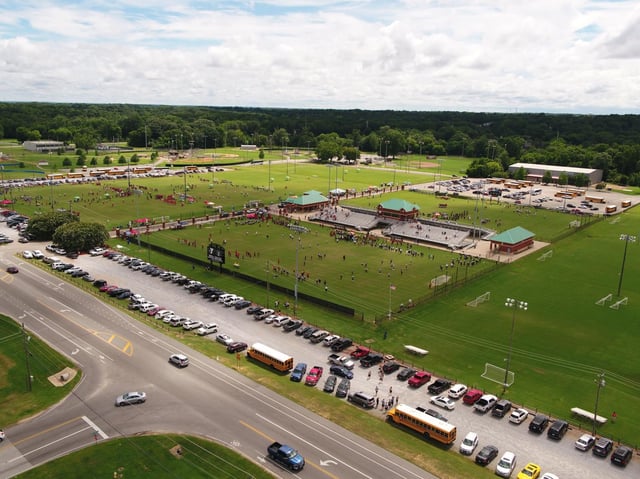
<point x="151" y="456"/>
<point x="18" y="401"/>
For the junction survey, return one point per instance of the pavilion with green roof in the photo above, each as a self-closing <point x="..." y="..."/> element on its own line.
<point x="512" y="241"/>
<point x="308" y="201"/>
<point x="398" y="210"/>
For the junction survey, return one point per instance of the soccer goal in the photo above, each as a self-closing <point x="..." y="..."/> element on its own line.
<point x="498" y="375"/>
<point x="623" y="302"/>
<point x="546" y="256"/>
<point x="602" y="301"/>
<point x="480" y="299"/>
<point x="439" y="280"/>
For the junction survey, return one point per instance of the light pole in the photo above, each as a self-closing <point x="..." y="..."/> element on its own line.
<point x="299" y="230"/>
<point x="514" y="304"/>
<point x="601" y="383"/>
<point x="386" y="150"/>
<point x="626" y="238"/>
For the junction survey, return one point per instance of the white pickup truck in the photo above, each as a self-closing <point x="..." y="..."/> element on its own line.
<point x="344" y="361"/>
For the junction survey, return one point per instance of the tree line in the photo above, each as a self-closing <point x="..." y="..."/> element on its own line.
<point x="494" y="140"/>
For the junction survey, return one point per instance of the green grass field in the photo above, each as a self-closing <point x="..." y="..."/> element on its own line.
<point x="19" y="402"/>
<point x="151" y="456"/>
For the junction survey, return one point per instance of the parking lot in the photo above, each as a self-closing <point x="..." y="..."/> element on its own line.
<point x="558" y="457"/>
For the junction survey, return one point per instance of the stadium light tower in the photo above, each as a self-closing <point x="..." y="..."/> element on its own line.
<point x="514" y="304"/>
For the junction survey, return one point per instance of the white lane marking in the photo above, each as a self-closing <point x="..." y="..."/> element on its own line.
<point x="50" y="444"/>
<point x="273" y="423"/>
<point x="96" y="429"/>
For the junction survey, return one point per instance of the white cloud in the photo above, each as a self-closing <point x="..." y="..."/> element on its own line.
<point x="498" y="55"/>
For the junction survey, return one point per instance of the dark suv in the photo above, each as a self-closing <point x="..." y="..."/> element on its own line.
<point x="602" y="447"/>
<point x="371" y="359"/>
<point x="439" y="386"/>
<point x="390" y="367"/>
<point x="501" y="408"/>
<point x="558" y="429"/>
<point x="539" y="423"/>
<point x="621" y="456"/>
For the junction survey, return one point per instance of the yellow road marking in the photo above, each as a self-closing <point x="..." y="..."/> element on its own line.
<point x="116" y="341"/>
<point x="52" y="428"/>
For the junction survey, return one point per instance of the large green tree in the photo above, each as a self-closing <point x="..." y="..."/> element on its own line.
<point x="77" y="236"/>
<point x="44" y="226"/>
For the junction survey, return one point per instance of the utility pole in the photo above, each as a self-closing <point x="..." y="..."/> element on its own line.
<point x="27" y="353"/>
<point x="601" y="383"/>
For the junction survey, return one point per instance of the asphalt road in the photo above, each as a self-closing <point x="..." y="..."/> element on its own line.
<point x="118" y="354"/>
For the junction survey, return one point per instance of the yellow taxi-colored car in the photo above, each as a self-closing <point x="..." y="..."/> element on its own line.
<point x="530" y="471"/>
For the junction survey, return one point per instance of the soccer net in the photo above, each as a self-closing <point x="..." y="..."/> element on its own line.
<point x="439" y="280"/>
<point x="603" y="300"/>
<point x="546" y="256"/>
<point x="480" y="299"/>
<point x="496" y="374"/>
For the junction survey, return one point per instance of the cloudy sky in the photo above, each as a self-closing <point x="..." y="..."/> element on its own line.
<point x="473" y="55"/>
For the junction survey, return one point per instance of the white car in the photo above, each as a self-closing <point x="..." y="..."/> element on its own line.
<point x="224" y="339"/>
<point x="191" y="324"/>
<point x="548" y="475"/>
<point x="457" y="391"/>
<point x="131" y="398"/>
<point x="96" y="251"/>
<point x="506" y="464"/>
<point x="469" y="444"/>
<point x="585" y="442"/>
<point x="208" y="328"/>
<point x="329" y="340"/>
<point x="163" y="313"/>
<point x="444" y="402"/>
<point x="280" y="320"/>
<point x="270" y="319"/>
<point x="179" y="360"/>
<point x="518" y="416"/>
<point x="37" y="254"/>
<point x="27" y="254"/>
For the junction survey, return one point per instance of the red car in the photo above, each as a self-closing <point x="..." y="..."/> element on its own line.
<point x="314" y="376"/>
<point x="360" y="352"/>
<point x="420" y="378"/>
<point x="472" y="396"/>
<point x="107" y="287"/>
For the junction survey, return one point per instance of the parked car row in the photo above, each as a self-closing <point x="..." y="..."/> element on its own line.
<point x="168" y="316"/>
<point x="488" y="403"/>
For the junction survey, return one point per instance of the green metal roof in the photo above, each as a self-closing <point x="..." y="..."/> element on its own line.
<point x="308" y="198"/>
<point x="399" y="205"/>
<point x="513" y="236"/>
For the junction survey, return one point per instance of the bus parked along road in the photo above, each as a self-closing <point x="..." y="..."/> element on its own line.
<point x="428" y="426"/>
<point x="270" y="357"/>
